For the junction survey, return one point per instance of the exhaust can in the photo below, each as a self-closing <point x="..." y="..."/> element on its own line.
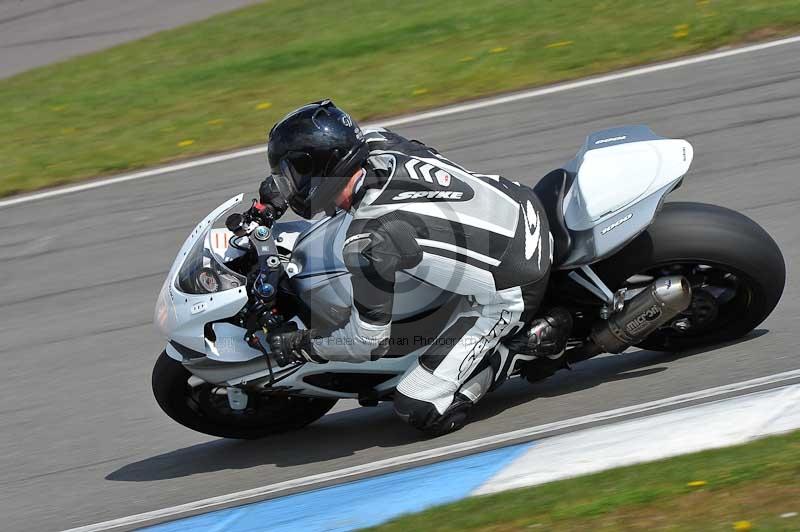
<point x="647" y="311"/>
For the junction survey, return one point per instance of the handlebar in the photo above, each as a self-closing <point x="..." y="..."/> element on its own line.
<point x="262" y="214"/>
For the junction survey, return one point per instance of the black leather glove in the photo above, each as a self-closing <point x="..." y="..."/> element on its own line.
<point x="293" y="346"/>
<point x="268" y="194"/>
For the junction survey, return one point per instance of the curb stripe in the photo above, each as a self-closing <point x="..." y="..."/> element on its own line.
<point x="358" y="504"/>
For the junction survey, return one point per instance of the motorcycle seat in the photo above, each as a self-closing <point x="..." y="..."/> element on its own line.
<point x="551" y="190"/>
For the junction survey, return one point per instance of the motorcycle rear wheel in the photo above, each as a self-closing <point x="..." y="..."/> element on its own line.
<point x="203" y="407"/>
<point x="736" y="269"/>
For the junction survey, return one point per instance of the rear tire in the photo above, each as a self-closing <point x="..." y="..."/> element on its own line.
<point x="685" y="234"/>
<point x="265" y="415"/>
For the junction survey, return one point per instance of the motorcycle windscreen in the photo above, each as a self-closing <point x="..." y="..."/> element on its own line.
<point x="203" y="273"/>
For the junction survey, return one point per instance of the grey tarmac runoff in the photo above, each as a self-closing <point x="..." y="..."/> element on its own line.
<point x="83" y="440"/>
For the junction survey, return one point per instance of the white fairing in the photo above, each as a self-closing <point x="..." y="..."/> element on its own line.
<point x="182" y="317"/>
<point x="614" y="177"/>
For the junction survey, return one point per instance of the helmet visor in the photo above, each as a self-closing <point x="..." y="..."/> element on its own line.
<point x="299" y="187"/>
<point x="295" y="174"/>
<point x="296" y="183"/>
<point x="307" y="192"/>
<point x="285" y="185"/>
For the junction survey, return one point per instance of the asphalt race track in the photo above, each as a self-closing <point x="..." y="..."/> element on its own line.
<point x="38" y="32"/>
<point x="83" y="440"/>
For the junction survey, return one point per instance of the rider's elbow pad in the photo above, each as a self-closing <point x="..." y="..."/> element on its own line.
<point x="380" y="251"/>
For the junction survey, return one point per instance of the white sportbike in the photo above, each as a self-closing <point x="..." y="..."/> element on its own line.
<point x="632" y="270"/>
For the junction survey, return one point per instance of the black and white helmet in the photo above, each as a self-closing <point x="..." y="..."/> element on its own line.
<point x="313" y="151"/>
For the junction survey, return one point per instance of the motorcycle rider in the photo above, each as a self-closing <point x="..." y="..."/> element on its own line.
<point x="480" y="236"/>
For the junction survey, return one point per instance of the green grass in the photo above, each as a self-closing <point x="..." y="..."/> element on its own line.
<point x="221" y="83"/>
<point x="756" y="483"/>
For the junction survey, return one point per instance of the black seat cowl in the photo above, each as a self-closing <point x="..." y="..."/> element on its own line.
<point x="551" y="190"/>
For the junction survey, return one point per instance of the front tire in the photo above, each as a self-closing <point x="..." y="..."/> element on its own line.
<point x="736" y="269"/>
<point x="198" y="406"/>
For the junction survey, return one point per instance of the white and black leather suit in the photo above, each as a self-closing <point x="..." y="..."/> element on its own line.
<point x="480" y="236"/>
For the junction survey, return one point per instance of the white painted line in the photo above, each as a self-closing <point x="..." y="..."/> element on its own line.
<point x="480" y="104"/>
<point x="130" y="177"/>
<point x="438" y="453"/>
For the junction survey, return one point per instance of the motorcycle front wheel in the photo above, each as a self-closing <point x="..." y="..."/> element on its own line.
<point x="203" y="407"/>
<point x="736" y="270"/>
